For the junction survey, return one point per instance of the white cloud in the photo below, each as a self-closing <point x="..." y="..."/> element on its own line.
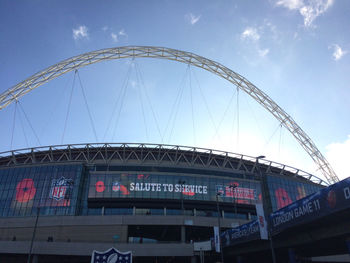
<point x="105" y="28"/>
<point x="309" y="9"/>
<point x="192" y="18"/>
<point x="338" y="155"/>
<point x="291" y="4"/>
<point x="114" y="37"/>
<point x="80" y="32"/>
<point x="338" y="52"/>
<point x="250" y="33"/>
<point x="122" y="33"/>
<point x="263" y="52"/>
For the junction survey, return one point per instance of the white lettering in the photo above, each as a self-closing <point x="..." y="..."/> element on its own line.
<point x="347" y="192"/>
<point x="205" y="189"/>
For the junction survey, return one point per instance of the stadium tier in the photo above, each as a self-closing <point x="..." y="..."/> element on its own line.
<point x="60" y="203"/>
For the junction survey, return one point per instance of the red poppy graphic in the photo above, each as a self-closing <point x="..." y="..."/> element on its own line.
<point x="142" y="176"/>
<point x="25" y="190"/>
<point x="189" y="193"/>
<point x="282" y="198"/>
<point x="100" y="186"/>
<point x="332" y="199"/>
<point x="124" y="190"/>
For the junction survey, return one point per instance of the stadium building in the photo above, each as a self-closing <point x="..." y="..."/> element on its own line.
<point x="60" y="203"/>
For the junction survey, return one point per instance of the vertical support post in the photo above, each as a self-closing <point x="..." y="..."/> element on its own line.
<point x="33" y="236"/>
<point x="182" y="182"/>
<point x="219" y="226"/>
<point x="264" y="200"/>
<point x="183" y="234"/>
<point x="291" y="255"/>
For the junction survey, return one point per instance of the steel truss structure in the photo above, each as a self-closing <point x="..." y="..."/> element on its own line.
<point x="150" y="154"/>
<point x="239" y="81"/>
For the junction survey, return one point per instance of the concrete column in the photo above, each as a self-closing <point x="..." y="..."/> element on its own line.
<point x="183" y="234"/>
<point x="35" y="259"/>
<point x="193" y="259"/>
<point x="291" y="255"/>
<point x="239" y="259"/>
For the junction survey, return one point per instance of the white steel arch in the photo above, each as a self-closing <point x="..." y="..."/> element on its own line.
<point x="239" y="81"/>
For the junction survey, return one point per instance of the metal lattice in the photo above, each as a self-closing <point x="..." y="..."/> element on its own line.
<point x="263" y="99"/>
<point x="149" y="154"/>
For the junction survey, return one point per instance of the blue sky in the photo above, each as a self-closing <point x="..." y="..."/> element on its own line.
<point x="296" y="51"/>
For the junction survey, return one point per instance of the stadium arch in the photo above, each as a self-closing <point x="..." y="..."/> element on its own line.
<point x="74" y="63"/>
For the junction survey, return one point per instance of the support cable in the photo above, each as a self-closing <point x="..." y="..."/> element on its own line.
<point x="13" y="124"/>
<point x="192" y="111"/>
<point x="119" y="98"/>
<point x="22" y="127"/>
<point x="174" y="109"/>
<point x="223" y="116"/>
<point x="142" y="106"/>
<point x="280" y="139"/>
<point x="30" y="125"/>
<point x="56" y="106"/>
<point x="68" y="109"/>
<point x="121" y="104"/>
<point x="237" y="142"/>
<point x="255" y="118"/>
<point x="87" y="106"/>
<point x="272" y="135"/>
<point x="206" y="104"/>
<point x="138" y="71"/>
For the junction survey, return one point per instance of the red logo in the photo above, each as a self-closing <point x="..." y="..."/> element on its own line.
<point x="25" y="190"/>
<point x="100" y="186"/>
<point x="282" y="198"/>
<point x="261" y="221"/>
<point x="332" y="199"/>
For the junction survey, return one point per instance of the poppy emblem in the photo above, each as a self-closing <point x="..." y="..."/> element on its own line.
<point x="100" y="186"/>
<point x="25" y="190"/>
<point x="116" y="187"/>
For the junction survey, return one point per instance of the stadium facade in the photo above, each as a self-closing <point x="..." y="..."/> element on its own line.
<point x="60" y="203"/>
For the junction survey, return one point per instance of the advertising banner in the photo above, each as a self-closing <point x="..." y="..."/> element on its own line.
<point x="262" y="221"/>
<point x="216" y="239"/>
<point x="322" y="203"/>
<point x="241" y="234"/>
<point x="48" y="187"/>
<point x="168" y="186"/>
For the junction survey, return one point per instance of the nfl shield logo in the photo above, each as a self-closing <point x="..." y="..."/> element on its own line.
<point x="60" y="188"/>
<point x="112" y="255"/>
<point x="116" y="187"/>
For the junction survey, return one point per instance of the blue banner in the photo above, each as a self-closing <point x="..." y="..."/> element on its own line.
<point x="241" y="234"/>
<point x="322" y="203"/>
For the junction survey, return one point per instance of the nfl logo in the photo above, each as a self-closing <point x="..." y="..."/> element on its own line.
<point x="112" y="255"/>
<point x="60" y="187"/>
<point x="220" y="189"/>
<point x="116" y="187"/>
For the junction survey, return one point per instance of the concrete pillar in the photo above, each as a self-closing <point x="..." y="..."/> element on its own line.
<point x="183" y="234"/>
<point x="35" y="259"/>
<point x="193" y="259"/>
<point x="239" y="259"/>
<point x="291" y="255"/>
<point x="348" y="245"/>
